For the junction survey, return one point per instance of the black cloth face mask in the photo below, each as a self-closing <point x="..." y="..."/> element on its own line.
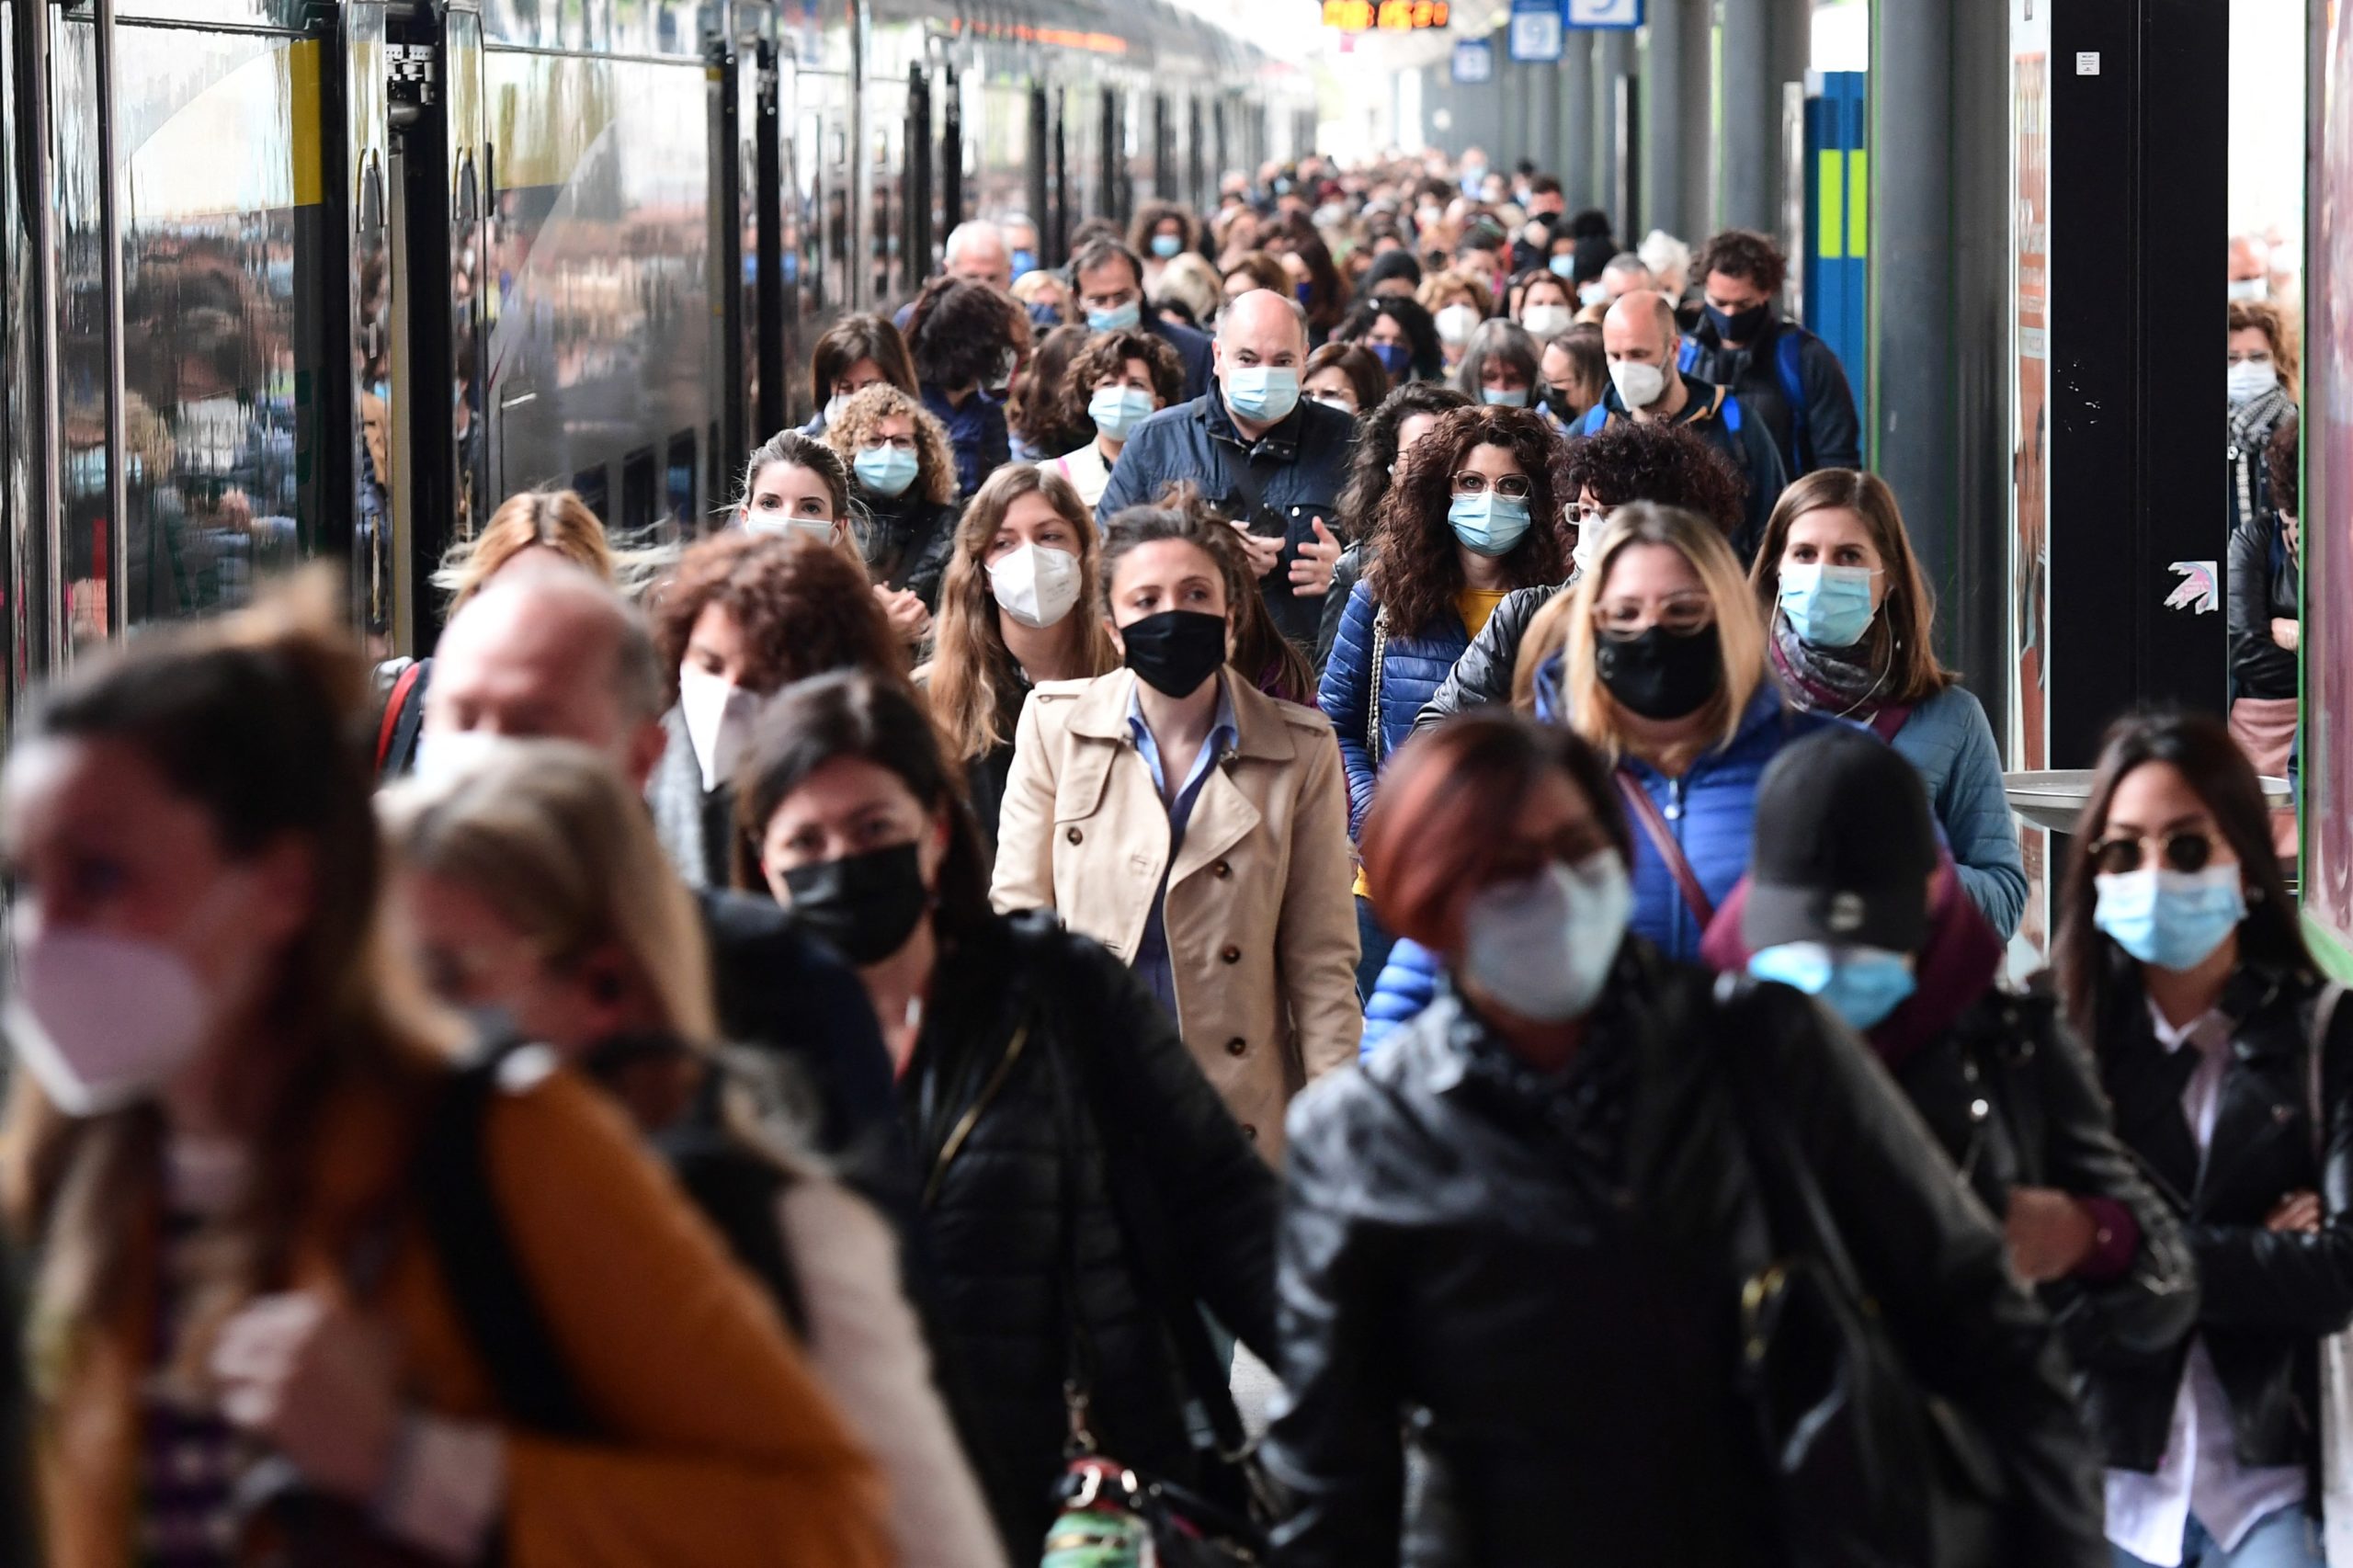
<point x="1738" y="328"/>
<point x="1661" y="674"/>
<point x="1175" y="651"/>
<point x="863" y="906"/>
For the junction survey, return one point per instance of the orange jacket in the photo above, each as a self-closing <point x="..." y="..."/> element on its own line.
<point x="724" y="1452"/>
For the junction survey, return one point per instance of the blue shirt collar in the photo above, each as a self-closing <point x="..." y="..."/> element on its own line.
<point x="1225" y="734"/>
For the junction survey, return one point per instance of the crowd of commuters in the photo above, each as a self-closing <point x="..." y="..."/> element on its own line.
<point x="1361" y="780"/>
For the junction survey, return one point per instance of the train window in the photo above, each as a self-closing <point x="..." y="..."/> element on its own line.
<point x="680" y="476"/>
<point x="589" y="485"/>
<point x="638" y="491"/>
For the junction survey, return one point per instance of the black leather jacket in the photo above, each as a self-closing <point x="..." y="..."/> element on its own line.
<point x="2266" y="1297"/>
<point x="1483" y="675"/>
<point x="1551" y="1266"/>
<point x="1000" y="1221"/>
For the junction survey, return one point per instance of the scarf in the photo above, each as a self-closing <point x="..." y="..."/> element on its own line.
<point x="1832" y="680"/>
<point x="2253" y="421"/>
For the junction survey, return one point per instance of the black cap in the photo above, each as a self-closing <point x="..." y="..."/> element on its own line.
<point x="1843" y="846"/>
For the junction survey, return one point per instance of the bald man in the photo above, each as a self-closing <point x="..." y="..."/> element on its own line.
<point x="547" y="652"/>
<point x="1260" y="455"/>
<point x="1640" y="340"/>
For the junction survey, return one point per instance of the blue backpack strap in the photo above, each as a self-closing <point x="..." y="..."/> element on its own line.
<point x="1596" y="420"/>
<point x="1789" y="363"/>
<point x="1728" y="409"/>
<point x="1687" y="359"/>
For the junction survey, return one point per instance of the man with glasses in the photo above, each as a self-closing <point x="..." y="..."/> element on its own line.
<point x="1640" y="340"/>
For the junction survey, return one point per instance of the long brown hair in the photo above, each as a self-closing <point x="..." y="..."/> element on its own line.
<point x="1416" y="572"/>
<point x="1902" y="634"/>
<point x="801" y="607"/>
<point x="969" y="665"/>
<point x="256" y="718"/>
<point x="2086" y="963"/>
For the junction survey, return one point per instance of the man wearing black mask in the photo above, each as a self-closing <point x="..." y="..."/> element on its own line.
<point x="1782" y="373"/>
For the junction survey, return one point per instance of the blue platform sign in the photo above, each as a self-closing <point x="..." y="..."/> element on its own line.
<point x="1475" y="62"/>
<point x="1605" y="12"/>
<point x="1536" y="31"/>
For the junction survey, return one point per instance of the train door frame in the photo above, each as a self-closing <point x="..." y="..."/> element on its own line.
<point x="35" y="473"/>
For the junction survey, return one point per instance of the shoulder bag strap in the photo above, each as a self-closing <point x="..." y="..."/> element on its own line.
<point x="395" y="704"/>
<point x="1645" y="813"/>
<point x="1373" y="685"/>
<point x="1788" y="351"/>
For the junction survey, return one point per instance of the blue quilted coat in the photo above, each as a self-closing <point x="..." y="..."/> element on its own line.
<point x="1711" y="809"/>
<point x="1949" y="740"/>
<point x="1411" y="668"/>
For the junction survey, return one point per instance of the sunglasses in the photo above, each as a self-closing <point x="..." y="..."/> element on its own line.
<point x="2121" y="855"/>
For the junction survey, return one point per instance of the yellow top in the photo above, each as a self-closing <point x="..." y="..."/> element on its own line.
<point x="1475" y="605"/>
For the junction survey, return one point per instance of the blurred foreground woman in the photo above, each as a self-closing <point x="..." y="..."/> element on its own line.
<point x="1531" y="1219"/>
<point x="262" y="1198"/>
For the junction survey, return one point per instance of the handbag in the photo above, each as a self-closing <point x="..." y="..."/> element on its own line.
<point x="1869" y="1468"/>
<point x="1108" y="1509"/>
<point x="2335" y="1350"/>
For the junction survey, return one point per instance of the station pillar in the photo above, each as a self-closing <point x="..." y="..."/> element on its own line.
<point x="1674" y="119"/>
<point x="1614" y="169"/>
<point x="1574" y="162"/>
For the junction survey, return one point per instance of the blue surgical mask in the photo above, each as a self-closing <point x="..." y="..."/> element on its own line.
<point x="2172" y="919"/>
<point x="1168" y="247"/>
<point x="1488" y="524"/>
<point x="1024" y="261"/>
<point x="1119" y="318"/>
<point x="1562" y="266"/>
<point x="1118" y="410"/>
<point x="885" y="470"/>
<point x="1829" y="607"/>
<point x="1395" y="358"/>
<point x="1496" y="397"/>
<point x="1305" y="291"/>
<point x="1265" y="394"/>
<point x="1862" y="985"/>
<point x="1543" y="949"/>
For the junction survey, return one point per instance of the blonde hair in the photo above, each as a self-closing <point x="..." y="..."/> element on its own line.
<point x="1440" y="288"/>
<point x="864" y="414"/>
<point x="1571" y="622"/>
<point x="550" y="519"/>
<point x="547" y="834"/>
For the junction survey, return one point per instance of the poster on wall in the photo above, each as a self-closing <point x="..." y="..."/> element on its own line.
<point x="2327" y="501"/>
<point x="2030" y="444"/>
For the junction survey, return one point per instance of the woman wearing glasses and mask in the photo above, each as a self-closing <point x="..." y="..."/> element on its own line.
<point x="1468" y="519"/>
<point x="1657" y="658"/>
<point x="2178" y="956"/>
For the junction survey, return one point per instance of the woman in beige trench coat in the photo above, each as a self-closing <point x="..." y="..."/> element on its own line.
<point x="1194" y="826"/>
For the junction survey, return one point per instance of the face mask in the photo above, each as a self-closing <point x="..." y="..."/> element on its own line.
<point x="445" y="754"/>
<point x="863" y="906"/>
<point x="2247" y="289"/>
<point x="1737" y="326"/>
<point x="1035" y="585"/>
<point x="2250" y="378"/>
<point x="718" y="717"/>
<point x="102" y="1021"/>
<point x="1334" y="400"/>
<point x="1457" y="323"/>
<point x="813" y="528"/>
<point x="1175" y="651"/>
<point x="1488" y="524"/>
<point x="1395" y="358"/>
<point x="2171" y="919"/>
<point x="1661" y="674"/>
<point x="1829" y="607"/>
<point x="1562" y="266"/>
<point x="1119" y="318"/>
<point x="1024" y="261"/>
<point x="1862" y="985"/>
<point x="1639" y="385"/>
<point x="1594" y="293"/>
<point x="1546" y="321"/>
<point x="885" y="470"/>
<point x="1305" y="291"/>
<point x="1168" y="247"/>
<point x="1542" y="948"/>
<point x="1496" y="397"/>
<point x="1263" y="393"/>
<point x="834" y="409"/>
<point x="1118" y="410"/>
<point x="1588" y="544"/>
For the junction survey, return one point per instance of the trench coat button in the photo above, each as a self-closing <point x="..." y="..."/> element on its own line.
<point x="1250" y="1133"/>
<point x="1222" y="870"/>
<point x="1074" y="836"/>
<point x="1969" y="1072"/>
<point x="1979" y="1110"/>
<point x="1237" y="1045"/>
<point x="1232" y="954"/>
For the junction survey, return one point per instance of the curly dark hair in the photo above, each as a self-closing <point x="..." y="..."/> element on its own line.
<point x="960" y="333"/>
<point x="1152" y="214"/>
<point x="1415" y="571"/>
<point x="1412" y="319"/>
<point x="1666" y="465"/>
<point x="1366" y="377"/>
<point x="803" y="608"/>
<point x="1104" y="356"/>
<point x="1742" y="252"/>
<point x="1036" y="411"/>
<point x="1376" y="450"/>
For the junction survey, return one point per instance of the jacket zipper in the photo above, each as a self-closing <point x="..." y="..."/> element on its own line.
<point x="971" y="1116"/>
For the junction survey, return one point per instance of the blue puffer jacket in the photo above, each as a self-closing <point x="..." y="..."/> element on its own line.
<point x="1411" y="668"/>
<point x="1949" y="741"/>
<point x="1711" y="809"/>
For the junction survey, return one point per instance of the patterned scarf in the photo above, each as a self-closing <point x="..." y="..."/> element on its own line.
<point x="2253" y="421"/>
<point x="1834" y="680"/>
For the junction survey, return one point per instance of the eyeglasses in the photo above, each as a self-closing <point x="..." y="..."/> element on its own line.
<point x="1622" y="621"/>
<point x="1514" y="485"/>
<point x="1580" y="513"/>
<point x="2123" y="855"/>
